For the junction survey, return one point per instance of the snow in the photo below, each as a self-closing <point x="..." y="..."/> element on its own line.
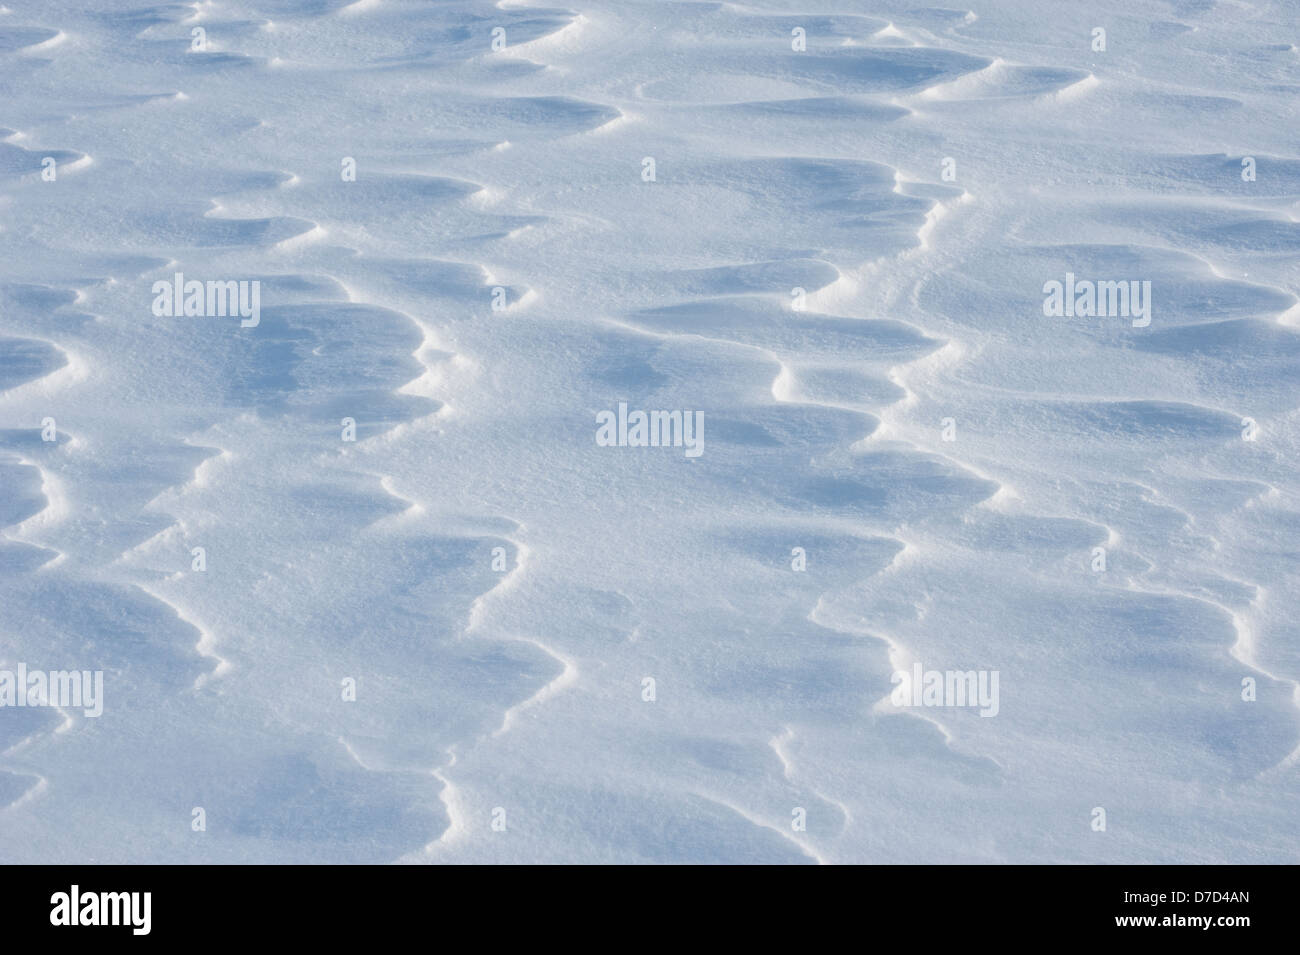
<point x="497" y="585"/>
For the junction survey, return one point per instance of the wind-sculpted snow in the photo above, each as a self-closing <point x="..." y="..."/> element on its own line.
<point x="978" y="337"/>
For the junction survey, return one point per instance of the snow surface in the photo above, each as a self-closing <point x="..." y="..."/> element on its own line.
<point x="521" y="689"/>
